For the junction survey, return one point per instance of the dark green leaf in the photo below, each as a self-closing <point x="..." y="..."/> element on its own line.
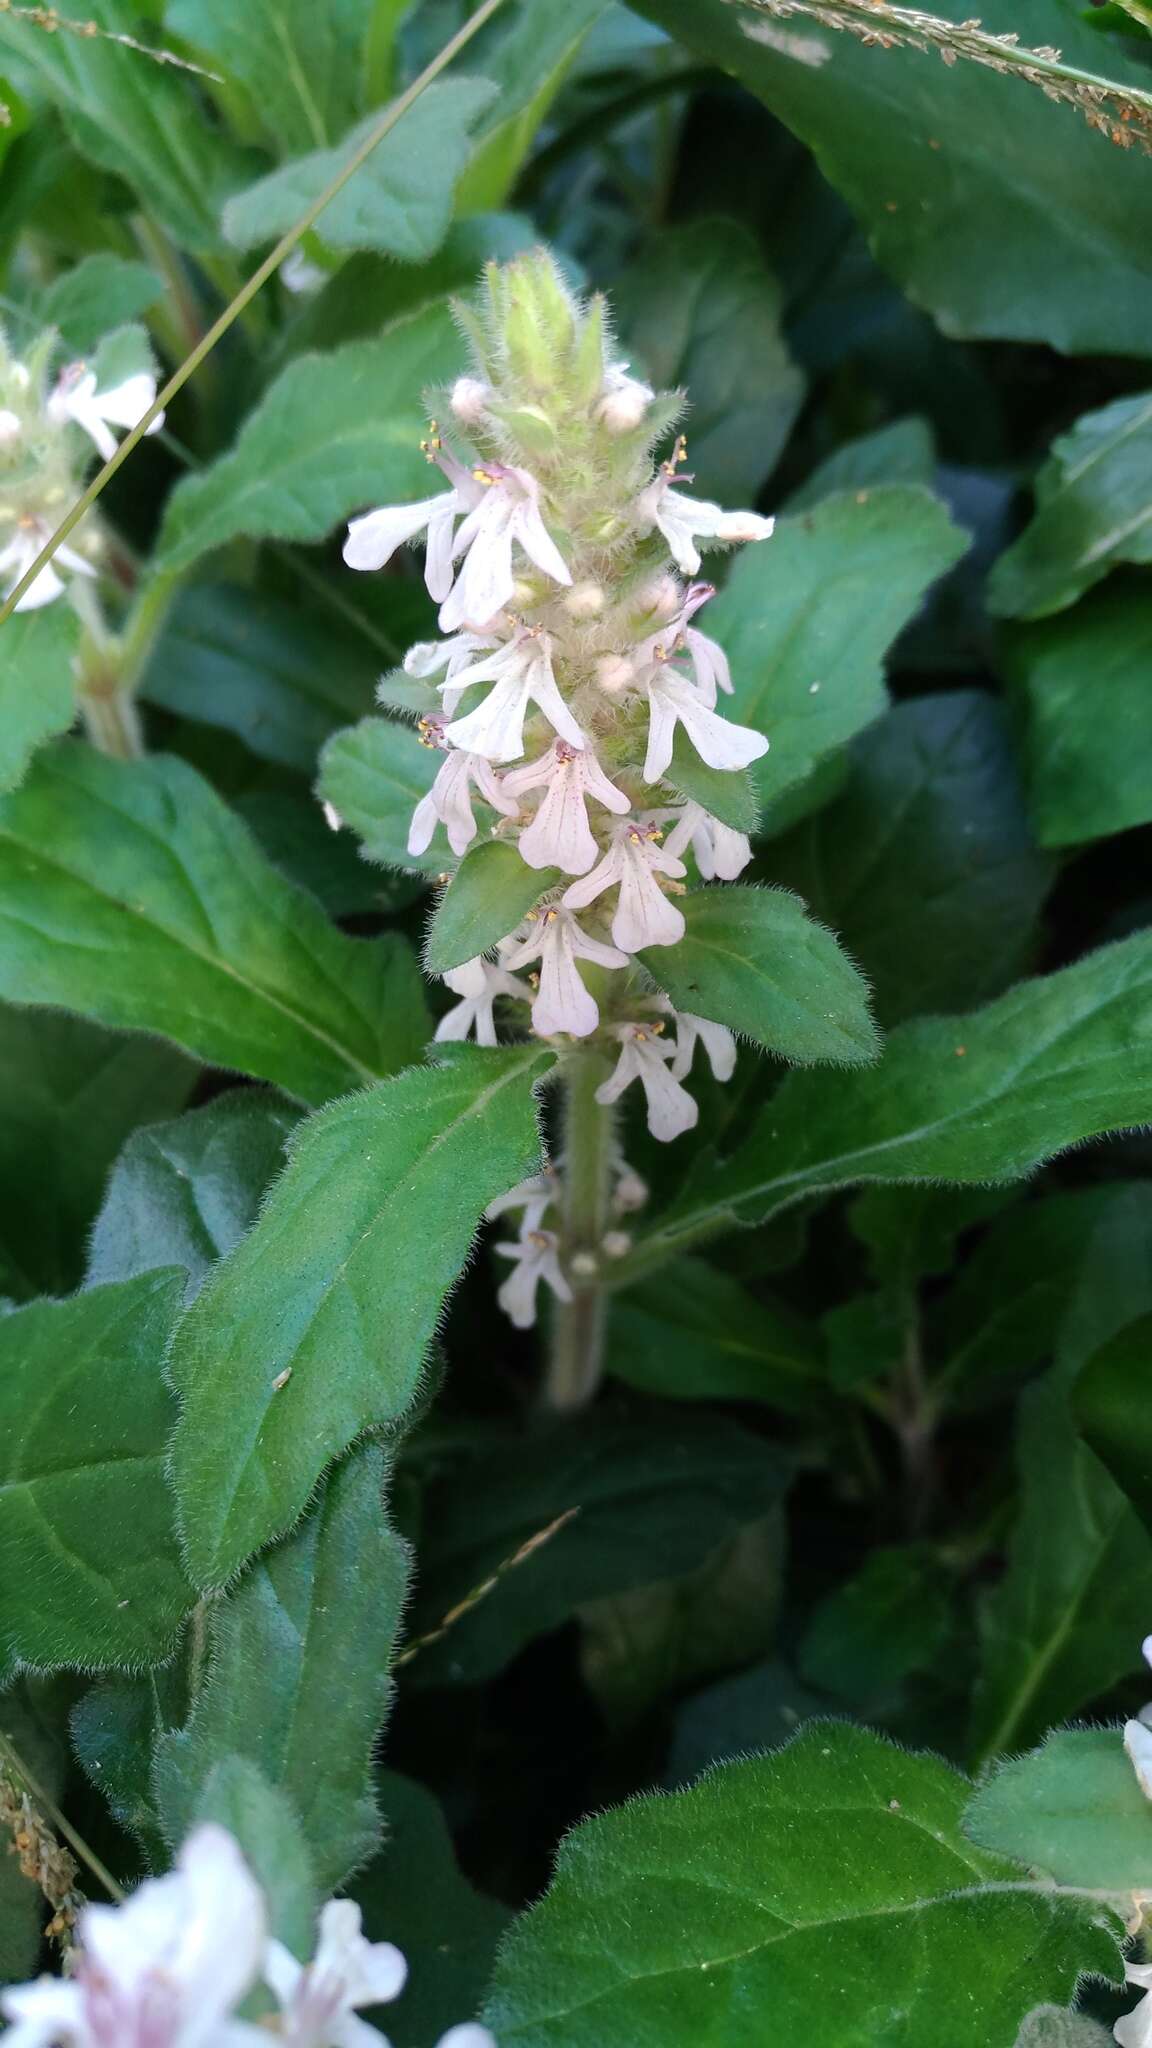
<point x="91" y="1572"/>
<point x="696" y="1334"/>
<point x="878" y="1628"/>
<point x="184" y="1193"/>
<point x="757" y="1710"/>
<point x="837" y="1862"/>
<point x="129" y="892"/>
<point x="37" y="685"/>
<point x="754" y="960"/>
<point x="317" y="1327"/>
<point x="301" y="65"/>
<point x="102" y="292"/>
<point x="1073" y="1809"/>
<point x="374" y="774"/>
<point x="902" y="453"/>
<point x="1111" y="1403"/>
<point x="114" y="1730"/>
<point x="491" y="891"/>
<point x="1093" y="510"/>
<point x="299" y="840"/>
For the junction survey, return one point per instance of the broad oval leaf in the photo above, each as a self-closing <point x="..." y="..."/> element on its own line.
<point x="37" y="684"/>
<point x="317" y="1327"/>
<point x="1073" y="1809"/>
<point x="131" y="893"/>
<point x="301" y="65"/>
<point x="1093" y="510"/>
<point x="1111" y="1403"/>
<point x="488" y="895"/>
<point x="754" y="960"/>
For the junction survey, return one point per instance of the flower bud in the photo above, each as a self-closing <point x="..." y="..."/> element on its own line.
<point x="469" y="400"/>
<point x="584" y="601"/>
<point x="624" y="402"/>
<point x="662" y="597"/>
<point x="614" y="672"/>
<point x="616" y="1245"/>
<point x="630" y="1193"/>
<point x="10" y="428"/>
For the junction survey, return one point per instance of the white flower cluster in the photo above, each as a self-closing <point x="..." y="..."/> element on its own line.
<point x="38" y="449"/>
<point x="1134" y="2029"/>
<point x="169" y="1968"/>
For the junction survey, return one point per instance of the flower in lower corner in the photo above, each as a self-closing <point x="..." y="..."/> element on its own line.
<point x="537" y="1257"/>
<point x="1134" y="2029"/>
<point x="478" y="983"/>
<point x="29" y="540"/>
<point x="449" y="802"/>
<point x="522" y="675"/>
<point x="164" y="1969"/>
<point x="562" y="1003"/>
<point x="560" y="835"/>
<point x="318" y="2000"/>
<point x="77" y="398"/>
<point x="643" y="915"/>
<point x="683" y="520"/>
<point x="644" y="1057"/>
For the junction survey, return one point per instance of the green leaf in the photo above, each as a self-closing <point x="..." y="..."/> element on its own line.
<point x="102" y="292"/>
<point x="729" y="797"/>
<point x="957" y="175"/>
<point x="374" y="774"/>
<point x="1111" y="1403"/>
<point x="369" y="291"/>
<point x="280" y="676"/>
<point x="754" y="960"/>
<point x="1072" y="1809"/>
<point x="903" y="452"/>
<point x="398" y="202"/>
<point x="933" y="793"/>
<point x="37" y="685"/>
<point x="655" y="1498"/>
<point x="967" y="1099"/>
<point x="1067" y="1619"/>
<point x="238" y="1796"/>
<point x="69" y="1097"/>
<point x="184" y="1193"/>
<point x="91" y="1569"/>
<point x="806" y="623"/>
<point x="416" y="1896"/>
<point x="701" y="311"/>
<point x="339" y="1286"/>
<point x="1083" y="680"/>
<point x="911" y="1232"/>
<point x="297" y="1673"/>
<point x="334" y="433"/>
<point x="696" y="1334"/>
<point x="298" y="839"/>
<point x="837" y="1862"/>
<point x="527" y="60"/>
<point x="888" y="1621"/>
<point x="488" y="895"/>
<point x="131" y="116"/>
<point x="113" y="1730"/>
<point x="301" y="65"/>
<point x="130" y="892"/>
<point x="1093" y="511"/>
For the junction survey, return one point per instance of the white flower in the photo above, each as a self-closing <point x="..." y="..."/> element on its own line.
<point x="562" y="1002"/>
<point x="318" y="2000"/>
<point x="164" y="1970"/>
<point x="535" y="1197"/>
<point x="718" y="1042"/>
<point x="76" y="398"/>
<point x="470" y="2035"/>
<point x="643" y="915"/>
<point x="447" y="657"/>
<point x="298" y="274"/>
<point x="671" y="1110"/>
<point x="30" y="538"/>
<point x="449" y="801"/>
<point x="559" y="835"/>
<point x="625" y="400"/>
<point x="373" y="539"/>
<point x="1134" y="2030"/>
<point x="508" y="512"/>
<point x="709" y="664"/>
<point x="537" y="1258"/>
<point x="1138" y="1745"/>
<point x="681" y="519"/>
<point x="522" y="674"/>
<point x="721" y="853"/>
<point x="479" y="983"/>
<point x="673" y="699"/>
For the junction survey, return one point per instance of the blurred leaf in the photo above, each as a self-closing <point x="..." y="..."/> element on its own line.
<point x="130" y="892"/>
<point x="526" y="59"/>
<point x="695" y="1334"/>
<point x="298" y="839"/>
<point x="92" y="1572"/>
<point x="399" y="202"/>
<point x="297" y="1666"/>
<point x="1072" y="1809"/>
<point x="184" y="1193"/>
<point x="806" y="621"/>
<point x="488" y="896"/>
<point x="754" y="960"/>
<point x="113" y="1729"/>
<point x="932" y="794"/>
<point x="69" y="1097"/>
<point x="1052" y="2026"/>
<point x="959" y="176"/>
<point x="772" y="1877"/>
<point x="102" y="292"/>
<point x="238" y="1796"/>
<point x="1111" y="1404"/>
<point x="37" y="685"/>
<point x="280" y="676"/>
<point x="333" y="433"/>
<point x="301" y="65"/>
<point x="1093" y="511"/>
<point x="317" y="1327"/>
<point x="369" y="291"/>
<point x="911" y="1232"/>
<point x="879" y="1627"/>
<point x="904" y="452"/>
<point x="757" y="1710"/>
<point x="701" y="311"/>
<point x="655" y="1499"/>
<point x="1083" y="679"/>
<point x="374" y="774"/>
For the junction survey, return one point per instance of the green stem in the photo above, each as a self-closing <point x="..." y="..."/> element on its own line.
<point x="578" y="1326"/>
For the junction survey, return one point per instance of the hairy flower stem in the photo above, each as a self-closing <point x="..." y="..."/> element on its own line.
<point x="577" y="1353"/>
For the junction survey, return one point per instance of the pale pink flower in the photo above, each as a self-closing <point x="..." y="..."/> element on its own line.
<point x="709" y="664"/>
<point x="506" y="514"/>
<point x="76" y="398"/>
<point x="469" y="400"/>
<point x="534" y="1196"/>
<point x="673" y="700"/>
<point x="449" y="801"/>
<point x="30" y="538"/>
<point x="683" y="520"/>
<point x="718" y="1042"/>
<point x="318" y="2000"/>
<point x="629" y="1192"/>
<point x="164" y="1970"/>
<point x="447" y="657"/>
<point x="536" y="1254"/>
<point x="643" y="915"/>
<point x="373" y="539"/>
<point x="1134" y="2029"/>
<point x="643" y="1058"/>
<point x="562" y="1002"/>
<point x="522" y="675"/>
<point x="721" y="853"/>
<point x="559" y="835"/>
<point x="478" y="982"/>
